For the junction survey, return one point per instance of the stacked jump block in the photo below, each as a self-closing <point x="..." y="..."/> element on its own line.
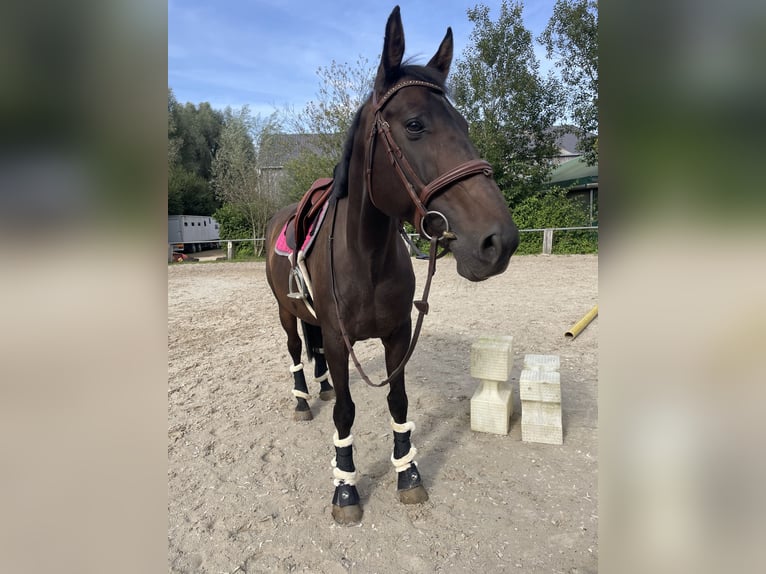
<point x="491" y="404"/>
<point x="540" y="393"/>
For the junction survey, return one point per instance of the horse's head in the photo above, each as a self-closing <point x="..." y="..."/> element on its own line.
<point x="422" y="166"/>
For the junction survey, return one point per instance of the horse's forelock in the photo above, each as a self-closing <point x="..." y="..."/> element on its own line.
<point x="422" y="73"/>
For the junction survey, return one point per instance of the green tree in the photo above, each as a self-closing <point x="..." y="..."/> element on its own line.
<point x="234" y="224"/>
<point x="571" y="38"/>
<point x="343" y="89"/>
<point x="238" y="178"/>
<point x="509" y="106"/>
<point x="189" y="193"/>
<point x="200" y="128"/>
<point x="193" y="134"/>
<point x="174" y="140"/>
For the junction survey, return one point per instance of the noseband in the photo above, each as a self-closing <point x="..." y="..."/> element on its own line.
<point x="420" y="193"/>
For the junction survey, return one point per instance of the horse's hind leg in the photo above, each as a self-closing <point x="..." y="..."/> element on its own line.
<point x="313" y="336"/>
<point x="322" y="376"/>
<point x="300" y="390"/>
<point x="409" y="484"/>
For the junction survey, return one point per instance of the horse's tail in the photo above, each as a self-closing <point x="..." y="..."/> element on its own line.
<point x="312" y="336"/>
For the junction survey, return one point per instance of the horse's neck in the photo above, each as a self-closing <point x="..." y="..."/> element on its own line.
<point x="369" y="233"/>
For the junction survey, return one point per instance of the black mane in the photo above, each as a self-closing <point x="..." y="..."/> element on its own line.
<point x="340" y="173"/>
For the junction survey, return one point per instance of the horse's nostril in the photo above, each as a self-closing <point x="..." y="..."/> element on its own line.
<point x="489" y="246"/>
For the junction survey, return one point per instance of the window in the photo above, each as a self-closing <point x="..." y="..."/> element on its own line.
<point x="186" y="224"/>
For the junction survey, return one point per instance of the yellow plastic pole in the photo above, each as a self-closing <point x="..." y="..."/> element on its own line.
<point x="575" y="329"/>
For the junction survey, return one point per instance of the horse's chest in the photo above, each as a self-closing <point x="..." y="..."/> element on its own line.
<point x="383" y="308"/>
<point x="393" y="306"/>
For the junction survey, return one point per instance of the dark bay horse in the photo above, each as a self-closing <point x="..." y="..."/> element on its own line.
<point x="363" y="284"/>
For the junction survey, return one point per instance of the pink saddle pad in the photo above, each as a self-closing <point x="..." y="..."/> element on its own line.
<point x="282" y="248"/>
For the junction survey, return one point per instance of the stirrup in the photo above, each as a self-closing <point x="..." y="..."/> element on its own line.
<point x="295" y="285"/>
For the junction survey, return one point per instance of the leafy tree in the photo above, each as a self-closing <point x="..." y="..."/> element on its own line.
<point x="189" y="193"/>
<point x="174" y="140"/>
<point x="175" y="197"/>
<point x="510" y="108"/>
<point x="343" y="89"/>
<point x="238" y="178"/>
<point x="305" y="169"/>
<point x="200" y="128"/>
<point x="193" y="133"/>
<point x="571" y="37"/>
<point x="234" y="224"/>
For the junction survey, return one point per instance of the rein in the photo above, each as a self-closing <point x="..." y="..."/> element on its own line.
<point x="421" y="305"/>
<point x="420" y="194"/>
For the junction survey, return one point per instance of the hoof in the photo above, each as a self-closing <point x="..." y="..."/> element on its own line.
<point x="327" y="395"/>
<point x="347" y="514"/>
<point x="302" y="415"/>
<point x="345" y="504"/>
<point x="413" y="495"/>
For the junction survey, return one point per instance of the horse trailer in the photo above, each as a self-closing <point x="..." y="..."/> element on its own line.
<point x="192" y="233"/>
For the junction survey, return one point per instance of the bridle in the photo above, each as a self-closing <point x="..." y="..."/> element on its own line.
<point x="420" y="194"/>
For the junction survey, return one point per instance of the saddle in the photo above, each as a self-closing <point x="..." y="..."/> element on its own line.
<point x="299" y="225"/>
<point x="297" y="237"/>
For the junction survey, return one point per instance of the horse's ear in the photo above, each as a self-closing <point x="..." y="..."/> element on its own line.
<point x="443" y="57"/>
<point x="393" y="52"/>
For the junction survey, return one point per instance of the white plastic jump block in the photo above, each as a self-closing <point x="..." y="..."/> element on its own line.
<point x="540" y="393"/>
<point x="491" y="404"/>
<point x="492" y="358"/>
<point x="541" y="362"/>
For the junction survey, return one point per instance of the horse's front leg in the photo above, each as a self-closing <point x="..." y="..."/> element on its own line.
<point x="345" y="501"/>
<point x="409" y="483"/>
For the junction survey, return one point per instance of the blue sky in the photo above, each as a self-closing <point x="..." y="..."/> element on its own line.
<point x="265" y="53"/>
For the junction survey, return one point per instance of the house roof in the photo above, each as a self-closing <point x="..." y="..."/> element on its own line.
<point x="572" y="173"/>
<point x="568" y="142"/>
<point x="278" y="149"/>
<point x="567" y="138"/>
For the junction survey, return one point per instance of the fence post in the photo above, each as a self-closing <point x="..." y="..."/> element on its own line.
<point x="229" y="250"/>
<point x="547" y="241"/>
<point x="170" y="253"/>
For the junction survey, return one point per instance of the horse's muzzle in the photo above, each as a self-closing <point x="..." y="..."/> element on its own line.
<point x="490" y="253"/>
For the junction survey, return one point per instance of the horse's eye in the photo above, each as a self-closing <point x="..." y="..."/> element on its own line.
<point x="415" y="126"/>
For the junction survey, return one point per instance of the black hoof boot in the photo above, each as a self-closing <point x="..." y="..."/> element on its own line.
<point x="410" y="486"/>
<point x="302" y="411"/>
<point x="345" y="504"/>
